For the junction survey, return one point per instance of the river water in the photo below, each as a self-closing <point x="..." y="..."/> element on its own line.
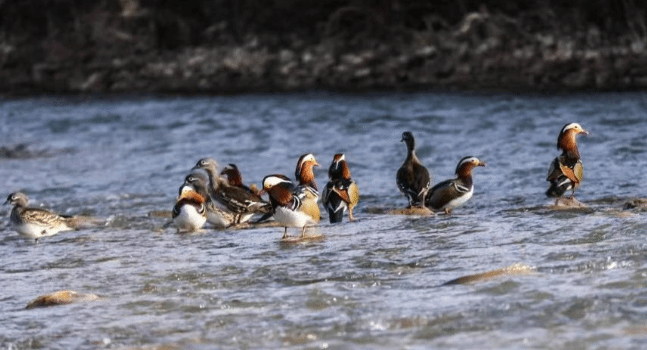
<point x="370" y="284"/>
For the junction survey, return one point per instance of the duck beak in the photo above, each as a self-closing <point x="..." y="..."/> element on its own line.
<point x="6" y="202"/>
<point x="584" y="132"/>
<point x="482" y="163"/>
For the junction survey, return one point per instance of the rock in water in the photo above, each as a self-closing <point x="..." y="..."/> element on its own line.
<point x="516" y="269"/>
<point x="61" y="297"/>
<point x="566" y="203"/>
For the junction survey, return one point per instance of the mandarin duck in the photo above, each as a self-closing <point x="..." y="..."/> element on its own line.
<point x="290" y="206"/>
<point x="234" y="199"/>
<point x="452" y="193"/>
<point x="190" y="210"/>
<point x="341" y="192"/>
<point x="565" y="171"/>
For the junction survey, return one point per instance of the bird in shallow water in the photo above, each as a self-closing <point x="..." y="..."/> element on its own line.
<point x="217" y="215"/>
<point x="235" y="178"/>
<point x="304" y="173"/>
<point x="341" y="192"/>
<point x="565" y="171"/>
<point x="290" y="206"/>
<point x="190" y="210"/>
<point x="413" y="178"/>
<point x="452" y="193"/>
<point x="35" y="223"/>
<point x="237" y="200"/>
<point x="307" y="189"/>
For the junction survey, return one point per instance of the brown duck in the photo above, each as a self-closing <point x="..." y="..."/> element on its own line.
<point x="565" y="172"/>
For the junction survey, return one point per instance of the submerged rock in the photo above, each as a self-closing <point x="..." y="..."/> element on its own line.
<point x="516" y="269"/>
<point x="411" y="211"/>
<point x="306" y="238"/>
<point x="636" y="203"/>
<point x="61" y="297"/>
<point x="20" y="151"/>
<point x="400" y="211"/>
<point x="568" y="203"/>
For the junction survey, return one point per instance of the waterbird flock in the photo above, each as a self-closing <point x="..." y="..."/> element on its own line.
<point x="223" y="201"/>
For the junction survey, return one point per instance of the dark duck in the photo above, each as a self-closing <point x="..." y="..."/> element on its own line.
<point x="413" y="178"/>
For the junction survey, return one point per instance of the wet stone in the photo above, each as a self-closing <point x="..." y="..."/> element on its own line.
<point x="61" y="297"/>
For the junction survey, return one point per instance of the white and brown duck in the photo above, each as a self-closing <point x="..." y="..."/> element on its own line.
<point x="35" y="223"/>
<point x="455" y="192"/>
<point x="289" y="207"/>
<point x="217" y="215"/>
<point x="305" y="175"/>
<point x="190" y="210"/>
<point x="566" y="171"/>
<point x="240" y="202"/>
<point x="341" y="192"/>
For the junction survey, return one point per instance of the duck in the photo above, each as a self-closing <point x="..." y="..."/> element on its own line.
<point x="217" y="215"/>
<point x="35" y="223"/>
<point x="190" y="210"/>
<point x="307" y="189"/>
<point x="238" y="201"/>
<point x="304" y="173"/>
<point x="290" y="207"/>
<point x="455" y="192"/>
<point x="413" y="178"/>
<point x="235" y="178"/>
<point x="565" y="171"/>
<point x="341" y="192"/>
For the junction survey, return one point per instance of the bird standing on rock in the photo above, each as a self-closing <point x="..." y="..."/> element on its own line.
<point x="566" y="171"/>
<point x="341" y="192"/>
<point x="235" y="178"/>
<point x="304" y="173"/>
<point x="413" y="178"/>
<point x="307" y="190"/>
<point x="238" y="201"/>
<point x="452" y="193"/>
<point x="290" y="207"/>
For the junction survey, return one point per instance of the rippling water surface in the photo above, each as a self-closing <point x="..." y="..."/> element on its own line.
<point x="373" y="283"/>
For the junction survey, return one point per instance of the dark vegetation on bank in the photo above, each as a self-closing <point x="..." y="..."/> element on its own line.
<point x="228" y="46"/>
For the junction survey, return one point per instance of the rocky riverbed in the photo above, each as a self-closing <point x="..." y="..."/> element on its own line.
<point x="125" y="52"/>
